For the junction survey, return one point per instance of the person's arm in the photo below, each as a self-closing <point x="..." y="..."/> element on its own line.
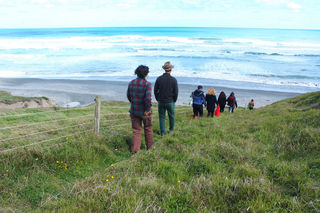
<point x="128" y="94"/>
<point x="147" y="98"/>
<point x="204" y="101"/>
<point x="156" y="90"/>
<point x="175" y="90"/>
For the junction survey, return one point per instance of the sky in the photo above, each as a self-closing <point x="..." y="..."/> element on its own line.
<point x="292" y="14"/>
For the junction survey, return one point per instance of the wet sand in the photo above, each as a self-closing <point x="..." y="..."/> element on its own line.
<point x="83" y="92"/>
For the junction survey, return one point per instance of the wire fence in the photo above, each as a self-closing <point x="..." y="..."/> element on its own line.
<point x="44" y="141"/>
<point x="42" y="132"/>
<point x="41" y="112"/>
<point x="44" y="122"/>
<point x="109" y="120"/>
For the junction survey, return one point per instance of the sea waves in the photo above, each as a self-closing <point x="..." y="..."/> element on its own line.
<point x="255" y="60"/>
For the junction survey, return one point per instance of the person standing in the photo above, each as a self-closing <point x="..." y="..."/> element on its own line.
<point x="139" y="95"/>
<point x="198" y="101"/>
<point x="166" y="93"/>
<point x="232" y="102"/>
<point x="222" y="101"/>
<point x="211" y="99"/>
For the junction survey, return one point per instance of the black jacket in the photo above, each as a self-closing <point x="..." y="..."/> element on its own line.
<point x="166" y="88"/>
<point x="211" y="102"/>
<point x="222" y="101"/>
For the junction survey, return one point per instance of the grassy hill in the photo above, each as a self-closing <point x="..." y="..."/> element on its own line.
<point x="265" y="160"/>
<point x="6" y="97"/>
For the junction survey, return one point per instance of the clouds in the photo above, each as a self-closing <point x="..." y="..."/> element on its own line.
<point x="294" y="6"/>
<point x="288" y="3"/>
<point x="204" y="13"/>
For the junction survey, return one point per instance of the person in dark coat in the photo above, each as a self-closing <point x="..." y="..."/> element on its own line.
<point x="198" y="101"/>
<point x="166" y="93"/>
<point x="222" y="101"/>
<point x="211" y="99"/>
<point x="232" y="102"/>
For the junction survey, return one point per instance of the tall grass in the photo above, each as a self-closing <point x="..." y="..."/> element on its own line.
<point x="265" y="160"/>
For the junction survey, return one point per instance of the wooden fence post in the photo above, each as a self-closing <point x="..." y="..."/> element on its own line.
<point x="97" y="115"/>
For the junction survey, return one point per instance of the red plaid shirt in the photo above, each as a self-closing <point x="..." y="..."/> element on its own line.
<point x="139" y="95"/>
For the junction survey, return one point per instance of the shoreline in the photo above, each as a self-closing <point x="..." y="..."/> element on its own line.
<point x="71" y="93"/>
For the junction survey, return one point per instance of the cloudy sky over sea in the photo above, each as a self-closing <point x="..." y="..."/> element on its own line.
<point x="294" y="14"/>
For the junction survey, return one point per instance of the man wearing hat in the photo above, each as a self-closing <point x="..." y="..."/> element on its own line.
<point x="166" y="93"/>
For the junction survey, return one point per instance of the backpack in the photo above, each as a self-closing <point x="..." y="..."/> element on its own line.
<point x="231" y="101"/>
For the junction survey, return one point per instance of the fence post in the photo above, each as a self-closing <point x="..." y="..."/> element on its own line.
<point x="97" y="115"/>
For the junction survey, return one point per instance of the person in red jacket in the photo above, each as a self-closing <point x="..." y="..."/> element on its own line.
<point x="232" y="102"/>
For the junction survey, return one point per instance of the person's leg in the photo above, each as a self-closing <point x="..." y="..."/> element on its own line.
<point x="148" y="134"/>
<point x="222" y="108"/>
<point x="201" y="110"/>
<point x="212" y="113"/>
<point x="170" y="108"/>
<point x="230" y="109"/>
<point x="162" y="117"/>
<point x="136" y="136"/>
<point x="195" y="110"/>
<point x="209" y="113"/>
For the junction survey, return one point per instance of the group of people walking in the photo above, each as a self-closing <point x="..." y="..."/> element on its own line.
<point x="139" y="95"/>
<point x="210" y="100"/>
<point x="166" y="93"/>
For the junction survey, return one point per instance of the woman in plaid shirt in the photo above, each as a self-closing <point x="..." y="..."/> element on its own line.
<point x="139" y="95"/>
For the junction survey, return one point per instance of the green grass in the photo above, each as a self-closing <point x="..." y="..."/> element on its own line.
<point x="265" y="160"/>
<point x="7" y="98"/>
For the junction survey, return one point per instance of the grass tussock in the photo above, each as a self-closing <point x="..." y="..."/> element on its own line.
<point x="265" y="160"/>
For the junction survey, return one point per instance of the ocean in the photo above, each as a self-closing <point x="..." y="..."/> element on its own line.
<point x="260" y="59"/>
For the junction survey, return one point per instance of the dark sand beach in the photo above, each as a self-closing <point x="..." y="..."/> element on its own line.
<point x="82" y="92"/>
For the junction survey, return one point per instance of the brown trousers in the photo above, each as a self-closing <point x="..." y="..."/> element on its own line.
<point x="136" y="128"/>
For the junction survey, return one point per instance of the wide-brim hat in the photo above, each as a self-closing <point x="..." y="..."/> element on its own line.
<point x="167" y="66"/>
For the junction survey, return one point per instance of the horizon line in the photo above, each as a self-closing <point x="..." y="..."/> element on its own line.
<point x="260" y="28"/>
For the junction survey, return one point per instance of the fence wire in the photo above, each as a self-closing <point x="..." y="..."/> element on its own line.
<point x="44" y="141"/>
<point x="155" y="117"/>
<point x="41" y="132"/>
<point x="34" y="113"/>
<point x="43" y="122"/>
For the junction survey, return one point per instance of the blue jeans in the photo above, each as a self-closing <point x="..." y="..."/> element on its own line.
<point x="230" y="109"/>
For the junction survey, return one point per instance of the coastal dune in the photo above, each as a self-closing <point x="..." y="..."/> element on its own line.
<point x="10" y="102"/>
<point x="38" y="103"/>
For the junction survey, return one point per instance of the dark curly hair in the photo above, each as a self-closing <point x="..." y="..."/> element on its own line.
<point x="142" y="71"/>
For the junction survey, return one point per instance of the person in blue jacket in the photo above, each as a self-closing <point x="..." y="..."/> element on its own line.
<point x="198" y="102"/>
